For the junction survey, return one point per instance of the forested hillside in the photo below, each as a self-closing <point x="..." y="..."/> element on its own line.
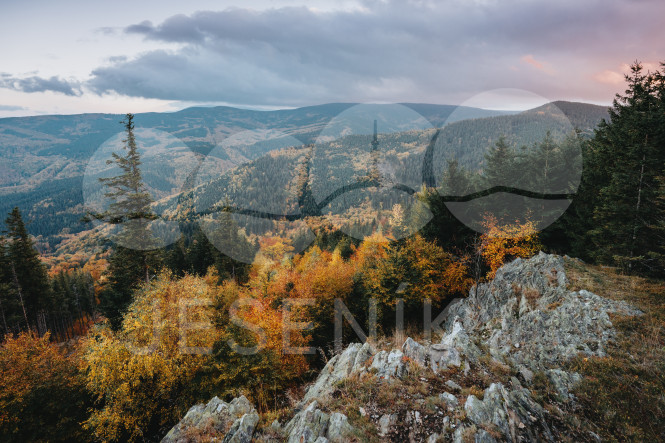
<point x="46" y="156"/>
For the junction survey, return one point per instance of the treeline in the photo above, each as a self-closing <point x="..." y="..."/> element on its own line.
<point x="617" y="214"/>
<point x="51" y="208"/>
<point x="30" y="299"/>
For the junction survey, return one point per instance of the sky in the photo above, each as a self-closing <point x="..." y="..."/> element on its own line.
<point x="75" y="56"/>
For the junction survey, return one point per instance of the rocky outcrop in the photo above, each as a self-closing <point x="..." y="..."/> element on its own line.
<point x="313" y="425"/>
<point x="529" y="319"/>
<point x="350" y="361"/>
<point x="527" y="315"/>
<point x="220" y="421"/>
<point x="526" y="320"/>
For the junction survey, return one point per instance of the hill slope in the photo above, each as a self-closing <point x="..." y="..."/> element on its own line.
<point x="45" y="157"/>
<point x="529" y="356"/>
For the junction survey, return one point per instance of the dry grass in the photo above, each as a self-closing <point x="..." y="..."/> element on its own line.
<point x="417" y="391"/>
<point x="398" y="338"/>
<point x="622" y="393"/>
<point x="531" y="295"/>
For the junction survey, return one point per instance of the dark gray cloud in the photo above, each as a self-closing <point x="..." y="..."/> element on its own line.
<point x="390" y="50"/>
<point x="40" y="84"/>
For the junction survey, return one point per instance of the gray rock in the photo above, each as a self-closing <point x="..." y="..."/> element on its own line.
<point x="476" y="410"/>
<point x="415" y="351"/>
<point x="531" y="320"/>
<point x="452" y="385"/>
<point x="482" y="436"/>
<point x="242" y="429"/>
<point x="338" y="368"/>
<point x="459" y="338"/>
<point x="449" y="399"/>
<point x="446" y="423"/>
<point x="490" y="410"/>
<point x="234" y="422"/>
<point x="364" y="354"/>
<point x="386" y="422"/>
<point x="513" y="412"/>
<point x="528" y="304"/>
<point x="443" y="357"/>
<point x="525" y="374"/>
<point x="311" y="425"/>
<point x="458" y="434"/>
<point x="563" y="381"/>
<point x="389" y="364"/>
<point x="307" y="425"/>
<point x="339" y="428"/>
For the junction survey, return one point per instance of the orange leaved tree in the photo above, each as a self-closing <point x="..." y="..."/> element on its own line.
<point x="250" y="355"/>
<point x="501" y="242"/>
<point x="42" y="395"/>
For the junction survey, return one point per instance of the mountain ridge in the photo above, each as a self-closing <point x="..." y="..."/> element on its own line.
<point x="46" y="156"/>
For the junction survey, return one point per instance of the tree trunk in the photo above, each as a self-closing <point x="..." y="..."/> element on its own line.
<point x="20" y="296"/>
<point x="4" y="320"/>
<point x="637" y="211"/>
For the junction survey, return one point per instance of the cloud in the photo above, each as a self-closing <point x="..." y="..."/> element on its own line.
<point x="387" y="50"/>
<point x="609" y="77"/>
<point x="145" y="27"/>
<point x="107" y="30"/>
<point x="40" y="84"/>
<point x="541" y="66"/>
<point x="532" y="61"/>
<point x="12" y="108"/>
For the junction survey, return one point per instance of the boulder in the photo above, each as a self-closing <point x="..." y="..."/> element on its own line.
<point x="389" y="364"/>
<point x="530" y="319"/>
<point x="386" y="422"/>
<point x="312" y="425"/>
<point x="339" y="367"/>
<point x="234" y="422"/>
<point x="511" y="411"/>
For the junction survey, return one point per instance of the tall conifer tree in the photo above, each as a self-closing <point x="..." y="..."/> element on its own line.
<point x="27" y="274"/>
<point x="130" y="208"/>
<point x="628" y="157"/>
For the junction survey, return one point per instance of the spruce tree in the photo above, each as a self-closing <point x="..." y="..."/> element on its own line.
<point x="445" y="228"/>
<point x="628" y="157"/>
<point x="129" y="208"/>
<point x="499" y="164"/>
<point x="6" y="295"/>
<point x="27" y="274"/>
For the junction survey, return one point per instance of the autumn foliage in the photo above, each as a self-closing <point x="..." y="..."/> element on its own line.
<point x="503" y="241"/>
<point x="185" y="339"/>
<point x="249" y="356"/>
<point x="42" y="396"/>
<point x="143" y="376"/>
<point x="415" y="271"/>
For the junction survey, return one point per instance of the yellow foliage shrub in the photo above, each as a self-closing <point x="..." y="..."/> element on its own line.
<point x="149" y="373"/>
